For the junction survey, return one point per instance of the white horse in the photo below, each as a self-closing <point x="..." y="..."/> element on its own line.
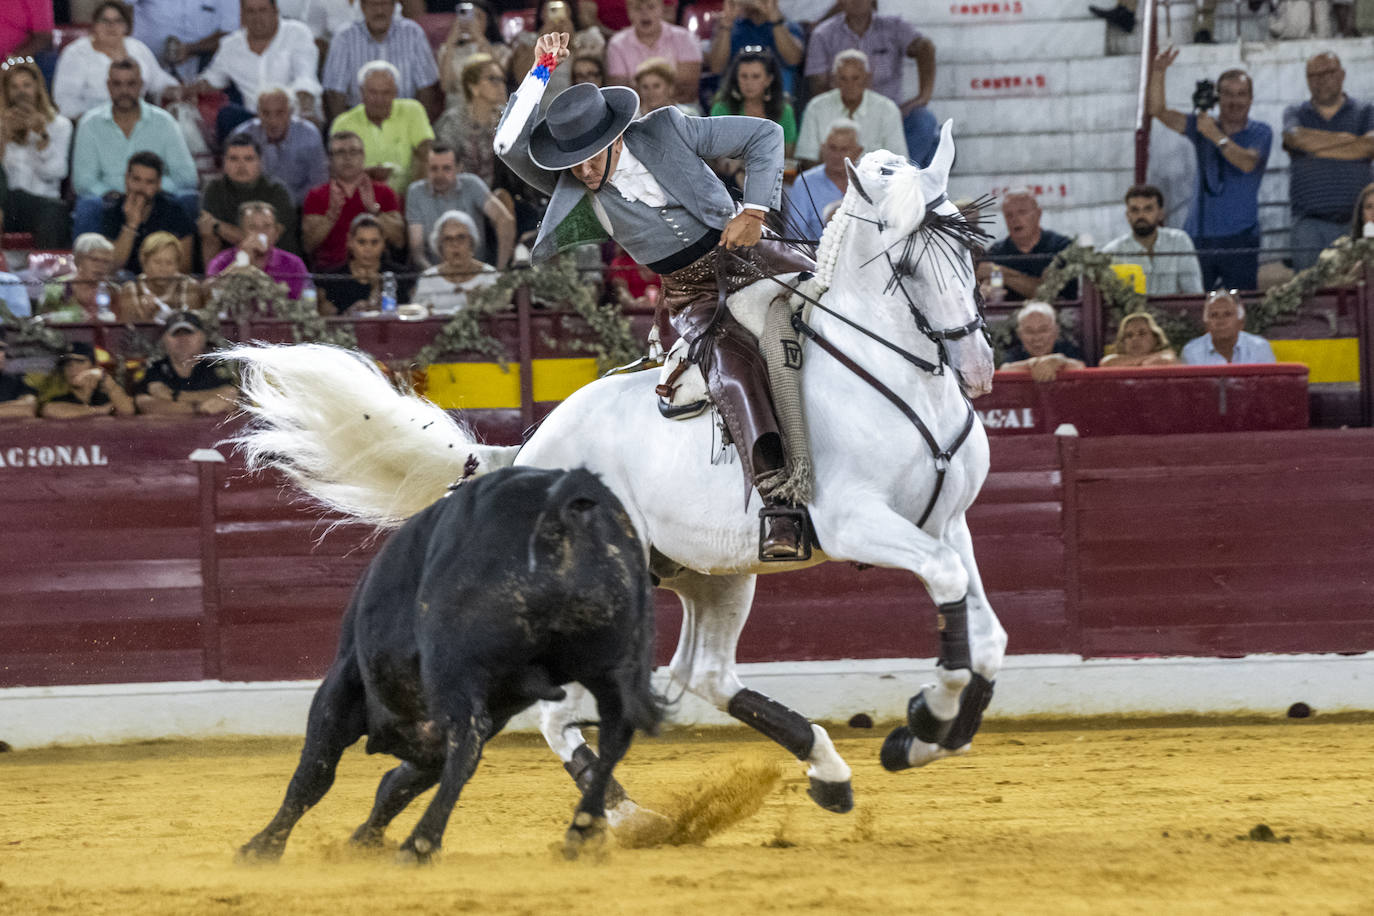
<point x="890" y="490"/>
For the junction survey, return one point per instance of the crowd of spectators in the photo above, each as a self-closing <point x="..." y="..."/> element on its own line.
<point x="329" y="139"/>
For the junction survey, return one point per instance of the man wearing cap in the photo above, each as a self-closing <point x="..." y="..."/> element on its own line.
<point x="646" y="183"/>
<point x="91" y="391"/>
<point x="183" y="383"/>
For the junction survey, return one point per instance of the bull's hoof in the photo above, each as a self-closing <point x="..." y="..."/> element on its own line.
<point x="259" y="852"/>
<point x="417" y="851"/>
<point x="832" y="796"/>
<point x="365" y="838"/>
<point x="587" y="834"/>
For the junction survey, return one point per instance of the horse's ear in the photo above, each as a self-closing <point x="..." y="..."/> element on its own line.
<point x="855" y="182"/>
<point x="935" y="177"/>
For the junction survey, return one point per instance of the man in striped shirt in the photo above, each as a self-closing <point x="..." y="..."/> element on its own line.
<point x="378" y="36"/>
<point x="1330" y="142"/>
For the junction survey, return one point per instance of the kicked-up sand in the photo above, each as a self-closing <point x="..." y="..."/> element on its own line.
<point x="1160" y="816"/>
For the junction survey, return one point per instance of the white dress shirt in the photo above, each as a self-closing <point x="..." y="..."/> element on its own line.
<point x="290" y="59"/>
<point x="40" y="172"/>
<point x="78" y="83"/>
<point x="634" y="181"/>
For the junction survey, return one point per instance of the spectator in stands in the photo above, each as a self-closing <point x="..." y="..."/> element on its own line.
<point x="25" y="28"/>
<point x="355" y="284"/>
<point x="243" y="181"/>
<point x="588" y="68"/>
<point x="140" y="211"/>
<point x="85" y="389"/>
<point x="290" y="145"/>
<point x="109" y="135"/>
<point x="184" y="35"/>
<point x="1140" y="341"/>
<point x="1165" y="255"/>
<point x="184" y="383"/>
<point x="396" y="132"/>
<point x="1223" y="314"/>
<point x="1040" y="348"/>
<point x="445" y="286"/>
<point x="649" y="36"/>
<point x="14" y="295"/>
<point x="266" y="50"/>
<point x="752" y="87"/>
<point x="471" y="133"/>
<point x="379" y="37"/>
<point x="633" y="284"/>
<point x="327" y="18"/>
<point x="880" y="123"/>
<point x="1232" y="153"/>
<point x="162" y="289"/>
<point x="555" y="16"/>
<point x="824" y="184"/>
<point x="17" y="399"/>
<point x="1027" y="250"/>
<point x="1330" y="144"/>
<point x="34" y="142"/>
<point x="474" y="31"/>
<point x="654" y="82"/>
<point x="886" y="41"/>
<point x="87" y="294"/>
<point x="446" y="190"/>
<point x="260" y="228"/>
<point x="331" y="208"/>
<point x="78" y="83"/>
<point x="1122" y="15"/>
<point x="749" y="24"/>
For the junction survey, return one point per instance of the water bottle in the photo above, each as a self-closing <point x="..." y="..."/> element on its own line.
<point x="103" y="312"/>
<point x="996" y="286"/>
<point x="388" y="293"/>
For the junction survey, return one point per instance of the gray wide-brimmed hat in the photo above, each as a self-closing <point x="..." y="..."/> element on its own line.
<point x="581" y="121"/>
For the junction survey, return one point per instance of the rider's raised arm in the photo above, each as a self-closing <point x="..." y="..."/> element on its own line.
<point x="757" y="141"/>
<point x="512" y="141"/>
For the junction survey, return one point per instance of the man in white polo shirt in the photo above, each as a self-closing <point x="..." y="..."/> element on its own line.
<point x="1165" y="255"/>
<point x="879" y="120"/>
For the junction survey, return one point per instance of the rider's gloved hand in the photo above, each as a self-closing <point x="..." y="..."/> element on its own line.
<point x="744" y="231"/>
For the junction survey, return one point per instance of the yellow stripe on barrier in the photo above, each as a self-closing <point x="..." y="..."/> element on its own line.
<point x="479" y="386"/>
<point x="1332" y="360"/>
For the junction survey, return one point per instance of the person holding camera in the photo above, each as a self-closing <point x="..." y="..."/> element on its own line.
<point x="1232" y="152"/>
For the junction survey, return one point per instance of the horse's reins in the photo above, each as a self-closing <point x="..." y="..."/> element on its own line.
<point x="942" y="457"/>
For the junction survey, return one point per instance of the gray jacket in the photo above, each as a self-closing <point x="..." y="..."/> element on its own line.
<point x="673" y="146"/>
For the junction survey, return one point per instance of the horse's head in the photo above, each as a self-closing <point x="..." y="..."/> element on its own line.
<point x="922" y="239"/>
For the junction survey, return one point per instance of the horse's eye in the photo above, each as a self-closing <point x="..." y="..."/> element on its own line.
<point x="886" y="172"/>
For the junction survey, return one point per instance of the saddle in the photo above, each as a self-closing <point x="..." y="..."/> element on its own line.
<point x="682" y="392"/>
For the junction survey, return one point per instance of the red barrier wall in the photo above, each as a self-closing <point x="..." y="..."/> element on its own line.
<point x="158" y="568"/>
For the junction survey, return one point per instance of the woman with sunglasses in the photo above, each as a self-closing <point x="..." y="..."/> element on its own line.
<point x="78" y="83"/>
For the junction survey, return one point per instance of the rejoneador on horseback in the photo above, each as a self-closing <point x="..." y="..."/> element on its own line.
<point x="890" y="328"/>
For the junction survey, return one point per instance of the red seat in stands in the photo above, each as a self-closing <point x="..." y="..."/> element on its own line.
<point x="67" y="33"/>
<point x="436" y="26"/>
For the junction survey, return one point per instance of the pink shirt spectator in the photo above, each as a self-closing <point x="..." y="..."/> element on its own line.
<point x="19" y="19"/>
<point x="885" y="42"/>
<point x="625" y="52"/>
<point x="281" y="266"/>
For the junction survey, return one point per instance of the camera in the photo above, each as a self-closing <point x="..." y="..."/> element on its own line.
<point x="1205" y="95"/>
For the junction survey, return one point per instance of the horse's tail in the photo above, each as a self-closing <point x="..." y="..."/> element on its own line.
<point x="331" y="421"/>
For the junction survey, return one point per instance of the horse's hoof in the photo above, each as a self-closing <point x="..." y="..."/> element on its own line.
<point x="587" y="833"/>
<point x="416" y="851"/>
<point x="832" y="796"/>
<point x="256" y="853"/>
<point x="896" y="750"/>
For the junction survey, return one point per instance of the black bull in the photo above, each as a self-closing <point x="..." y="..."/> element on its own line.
<point x="488" y="600"/>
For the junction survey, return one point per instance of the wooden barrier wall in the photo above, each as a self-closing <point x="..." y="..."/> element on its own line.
<point x="1222" y="544"/>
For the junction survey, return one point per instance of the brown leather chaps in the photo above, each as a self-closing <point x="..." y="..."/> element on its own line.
<point x="728" y="354"/>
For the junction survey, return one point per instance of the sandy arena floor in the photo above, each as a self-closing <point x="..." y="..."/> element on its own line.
<point x="1041" y="818"/>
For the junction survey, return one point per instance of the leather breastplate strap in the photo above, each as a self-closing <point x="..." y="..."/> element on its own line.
<point x="942" y="456"/>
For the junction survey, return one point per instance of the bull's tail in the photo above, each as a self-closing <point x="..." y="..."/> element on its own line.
<point x="332" y="422"/>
